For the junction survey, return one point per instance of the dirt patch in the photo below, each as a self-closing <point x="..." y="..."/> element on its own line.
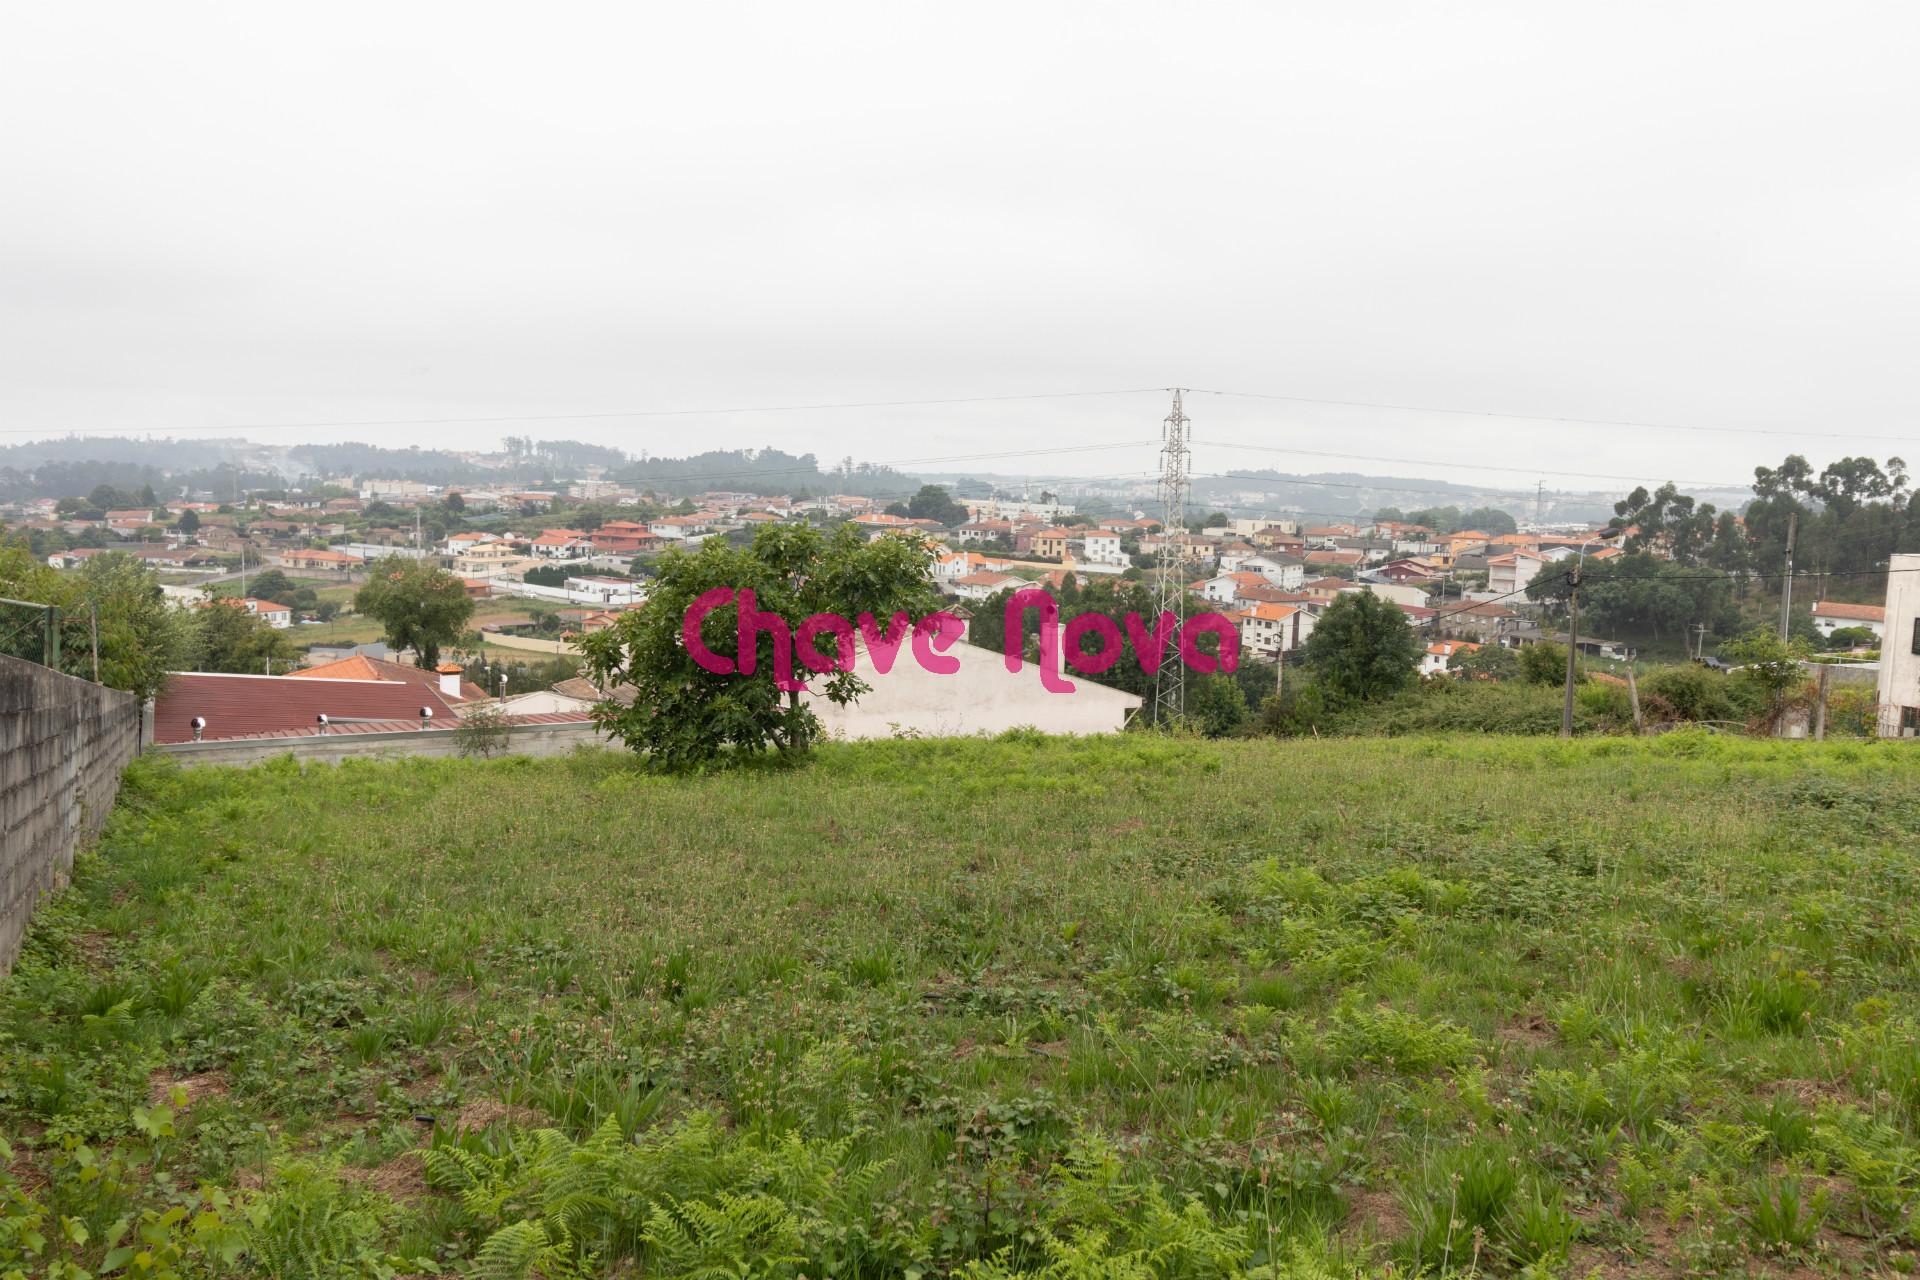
<point x="1377" y="1215"/>
<point x="1531" y="1030"/>
<point x="1811" y="1093"/>
<point x="481" y="1112"/>
<point x="161" y="1084"/>
<point x="95" y="950"/>
<point x="403" y="1178"/>
<point x="25" y="1172"/>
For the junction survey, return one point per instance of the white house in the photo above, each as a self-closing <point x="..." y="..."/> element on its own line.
<point x="1899" y="690"/>
<point x="676" y="526"/>
<point x="1103" y="547"/>
<point x="608" y="591"/>
<point x="1830" y="616"/>
<point x="1398" y="593"/>
<point x="1271" y="629"/>
<point x="274" y="615"/>
<point x="1284" y="572"/>
<point x="562" y="544"/>
<point x="981" y="697"/>
<point x="1512" y="572"/>
<point x="982" y="583"/>
<point x="1435" y="661"/>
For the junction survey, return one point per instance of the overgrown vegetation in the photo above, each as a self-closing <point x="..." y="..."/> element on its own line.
<point x="1128" y="1006"/>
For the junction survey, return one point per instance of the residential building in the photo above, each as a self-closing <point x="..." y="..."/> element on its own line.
<point x="1052" y="543"/>
<point x="1103" y="547"/>
<point x="983" y="583"/>
<point x="249" y="706"/>
<point x="1830" y="616"/>
<point x="318" y="560"/>
<point x="1899" y="688"/>
<point x="562" y="544"/>
<point x="1438" y="659"/>
<point x="448" y="679"/>
<point x="1268" y="630"/>
<point x="1510" y="574"/>
<point x="628" y="537"/>
<point x="1405" y="596"/>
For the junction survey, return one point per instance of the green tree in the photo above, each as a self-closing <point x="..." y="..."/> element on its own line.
<point x="1545" y="662"/>
<point x="685" y="716"/>
<point x="227" y="638"/>
<point x="1489" y="662"/>
<point x="272" y="584"/>
<point x="189" y="521"/>
<point x="1362" y="649"/>
<point x="420" y="607"/>
<point x="1850" y="637"/>
<point x="142" y="637"/>
<point x="454" y="504"/>
<point x="1770" y="666"/>
<point x="934" y="503"/>
<point x="1216" y="704"/>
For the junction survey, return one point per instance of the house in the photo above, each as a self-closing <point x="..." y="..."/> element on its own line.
<point x="1052" y="543"/>
<point x="607" y="590"/>
<point x="1411" y="596"/>
<point x="1830" y="616"/>
<point x="448" y="680"/>
<point x="629" y="537"/>
<point x="1510" y="574"/>
<point x="1898" y="691"/>
<point x="983" y="530"/>
<point x="982" y="696"/>
<point x="983" y="583"/>
<point x="1439" y="654"/>
<point x="459" y="542"/>
<point x="319" y="561"/>
<point x="1595" y="647"/>
<point x="1283" y="571"/>
<point x="477" y="588"/>
<point x="278" y="616"/>
<point x="1483" y="620"/>
<point x="249" y="706"/>
<point x="1272" y="629"/>
<point x="1102" y="546"/>
<point x="1334" y="559"/>
<point x="673" y="527"/>
<point x="562" y="544"/>
<point x="1412" y="569"/>
<point x="489" y="560"/>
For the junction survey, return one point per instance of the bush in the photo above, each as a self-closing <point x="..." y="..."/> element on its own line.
<point x="1692" y="692"/>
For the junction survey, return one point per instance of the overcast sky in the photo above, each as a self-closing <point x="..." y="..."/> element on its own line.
<point x="1700" y="215"/>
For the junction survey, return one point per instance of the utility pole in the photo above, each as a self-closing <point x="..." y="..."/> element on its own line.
<point x="1539" y="501"/>
<point x="1573" y="648"/>
<point x="1573" y="625"/>
<point x="1700" y="641"/>
<point x="1170" y="679"/>
<point x="1786" y="582"/>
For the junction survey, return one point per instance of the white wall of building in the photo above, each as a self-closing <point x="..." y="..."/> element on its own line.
<point x="1899" y="689"/>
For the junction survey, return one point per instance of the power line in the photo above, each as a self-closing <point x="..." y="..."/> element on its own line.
<point x="1544" y="417"/>
<point x="620" y="413"/>
<point x="1474" y="466"/>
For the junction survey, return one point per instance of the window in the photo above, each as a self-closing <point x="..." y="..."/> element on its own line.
<point x="1916" y="635"/>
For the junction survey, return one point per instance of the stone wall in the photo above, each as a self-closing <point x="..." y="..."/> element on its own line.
<point x="328" y="748"/>
<point x="63" y="743"/>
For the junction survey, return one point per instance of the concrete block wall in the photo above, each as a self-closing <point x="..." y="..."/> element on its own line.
<point x="63" y="745"/>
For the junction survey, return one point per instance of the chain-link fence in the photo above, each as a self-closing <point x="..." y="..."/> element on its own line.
<point x="31" y="631"/>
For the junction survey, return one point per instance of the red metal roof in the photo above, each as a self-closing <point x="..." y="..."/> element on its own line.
<point x="241" y="706"/>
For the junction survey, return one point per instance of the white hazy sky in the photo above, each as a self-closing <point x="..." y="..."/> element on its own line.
<point x="1693" y="214"/>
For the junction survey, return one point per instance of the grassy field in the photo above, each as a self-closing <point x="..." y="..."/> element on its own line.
<point x="1126" y="1007"/>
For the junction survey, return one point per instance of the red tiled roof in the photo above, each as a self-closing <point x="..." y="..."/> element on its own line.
<point x="361" y="667"/>
<point x="1850" y="612"/>
<point x="241" y="705"/>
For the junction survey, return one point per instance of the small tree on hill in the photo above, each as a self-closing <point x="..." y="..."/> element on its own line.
<point x="420" y="607"/>
<point x="1362" y="648"/>
<point x="685" y="716"/>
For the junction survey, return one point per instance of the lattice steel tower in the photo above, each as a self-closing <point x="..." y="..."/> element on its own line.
<point x="1170" y="681"/>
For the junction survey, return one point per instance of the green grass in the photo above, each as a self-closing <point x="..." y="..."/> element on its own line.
<point x="1119" y="1007"/>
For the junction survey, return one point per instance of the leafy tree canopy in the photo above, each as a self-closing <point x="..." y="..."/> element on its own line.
<point x="1362" y="649"/>
<point x="420" y="607"/>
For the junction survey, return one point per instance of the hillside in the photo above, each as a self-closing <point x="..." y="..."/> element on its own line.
<point x="1125" y="1006"/>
